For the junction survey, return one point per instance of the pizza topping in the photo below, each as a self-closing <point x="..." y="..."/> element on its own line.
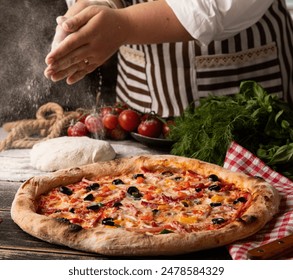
<point x="166" y="231"/>
<point x="117" y="182"/>
<point x="92" y="187"/>
<point x="213" y="178"/>
<point x="240" y="199"/>
<point x="95" y="206"/>
<point x="167" y="173"/>
<point x="215" y="188"/>
<point x="108" y="222"/>
<point x="66" y="190"/>
<point x="117" y="204"/>
<point x="218" y="221"/>
<point x="89" y="197"/>
<point x="134" y="192"/>
<point x="139" y="175"/>
<point x="152" y="201"/>
<point x="215" y="204"/>
<point x="198" y="189"/>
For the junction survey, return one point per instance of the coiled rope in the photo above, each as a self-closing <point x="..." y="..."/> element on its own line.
<point x="50" y="122"/>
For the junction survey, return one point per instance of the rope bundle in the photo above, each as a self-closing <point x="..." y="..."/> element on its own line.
<point x="49" y="123"/>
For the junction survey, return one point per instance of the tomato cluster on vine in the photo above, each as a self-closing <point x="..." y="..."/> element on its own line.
<point x="117" y="122"/>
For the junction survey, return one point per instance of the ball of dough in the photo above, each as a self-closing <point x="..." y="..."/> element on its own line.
<point x="68" y="152"/>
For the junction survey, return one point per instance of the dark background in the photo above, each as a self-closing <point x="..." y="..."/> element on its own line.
<point x="27" y="29"/>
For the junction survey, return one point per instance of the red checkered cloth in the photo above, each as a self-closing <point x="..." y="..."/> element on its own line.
<point x="240" y="159"/>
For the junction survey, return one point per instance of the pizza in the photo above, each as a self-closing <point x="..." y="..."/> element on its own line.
<point x="144" y="205"/>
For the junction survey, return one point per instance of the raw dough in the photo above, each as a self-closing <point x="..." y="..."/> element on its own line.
<point x="67" y="152"/>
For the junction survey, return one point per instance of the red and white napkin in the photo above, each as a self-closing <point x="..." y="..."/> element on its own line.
<point x="240" y="159"/>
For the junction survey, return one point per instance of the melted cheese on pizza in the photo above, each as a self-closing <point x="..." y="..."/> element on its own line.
<point x="152" y="202"/>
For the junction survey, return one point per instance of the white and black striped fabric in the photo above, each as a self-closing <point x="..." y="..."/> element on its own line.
<point x="166" y="78"/>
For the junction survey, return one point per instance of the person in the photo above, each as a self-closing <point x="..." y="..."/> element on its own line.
<point x="171" y="53"/>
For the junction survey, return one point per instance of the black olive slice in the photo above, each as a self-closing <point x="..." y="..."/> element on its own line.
<point x="240" y="199"/>
<point x="166" y="231"/>
<point x="135" y="176"/>
<point x="167" y="173"/>
<point x="92" y="187"/>
<point x="198" y="189"/>
<point x="214" y="188"/>
<point x="89" y="197"/>
<point x="117" y="204"/>
<point x="178" y="179"/>
<point x="134" y="191"/>
<point x="215" y="204"/>
<point x="66" y="190"/>
<point x="213" y="178"/>
<point x="108" y="222"/>
<point x="218" y="221"/>
<point x="117" y="182"/>
<point x="95" y="206"/>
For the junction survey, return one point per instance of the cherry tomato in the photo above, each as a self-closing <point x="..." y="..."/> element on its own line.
<point x="166" y="127"/>
<point x="120" y="106"/>
<point x="82" y="117"/>
<point x="94" y="124"/>
<point x="129" y="120"/>
<point x="110" y="121"/>
<point x="77" y="129"/>
<point x="105" y="110"/>
<point x="151" y="127"/>
<point x="146" y="116"/>
<point x="117" y="133"/>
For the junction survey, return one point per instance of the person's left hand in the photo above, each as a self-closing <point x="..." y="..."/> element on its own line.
<point x="96" y="33"/>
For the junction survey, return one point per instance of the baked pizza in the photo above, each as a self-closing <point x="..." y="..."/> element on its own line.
<point x="144" y="205"/>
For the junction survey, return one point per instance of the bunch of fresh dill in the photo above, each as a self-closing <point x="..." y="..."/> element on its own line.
<point x="260" y="122"/>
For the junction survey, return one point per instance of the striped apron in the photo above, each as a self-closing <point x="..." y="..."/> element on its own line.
<point x="166" y="78"/>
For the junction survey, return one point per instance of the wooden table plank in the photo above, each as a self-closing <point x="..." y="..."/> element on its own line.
<point x="18" y="254"/>
<point x="7" y="193"/>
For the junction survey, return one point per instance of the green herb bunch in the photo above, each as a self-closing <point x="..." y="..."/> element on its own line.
<point x="260" y="122"/>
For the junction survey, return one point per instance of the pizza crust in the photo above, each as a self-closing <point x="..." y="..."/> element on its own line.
<point x="120" y="242"/>
<point x="67" y="152"/>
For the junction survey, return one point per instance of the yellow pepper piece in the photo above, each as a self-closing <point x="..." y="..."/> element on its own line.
<point x="112" y="187"/>
<point x="187" y="220"/>
<point x="163" y="207"/>
<point x="217" y="198"/>
<point x="98" y="199"/>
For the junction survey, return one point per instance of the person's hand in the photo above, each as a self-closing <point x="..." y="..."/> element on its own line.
<point x="60" y="33"/>
<point x="96" y="33"/>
